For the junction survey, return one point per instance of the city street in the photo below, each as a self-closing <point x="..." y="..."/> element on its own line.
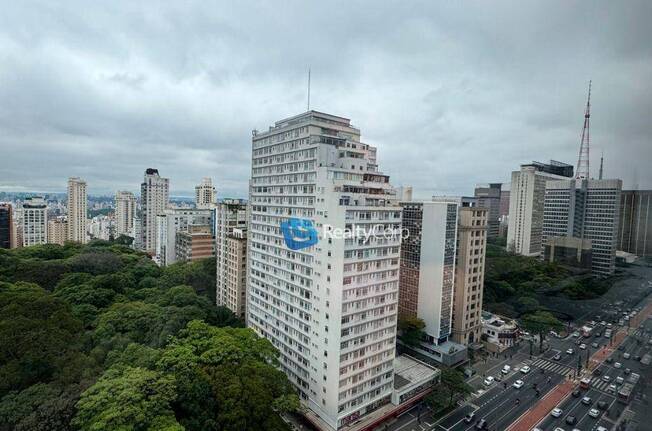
<point x="498" y="404"/>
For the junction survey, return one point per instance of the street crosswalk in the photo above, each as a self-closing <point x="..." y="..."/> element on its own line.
<point x="552" y="366"/>
<point x="599" y="384"/>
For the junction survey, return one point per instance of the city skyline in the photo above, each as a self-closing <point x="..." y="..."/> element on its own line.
<point x="181" y="90"/>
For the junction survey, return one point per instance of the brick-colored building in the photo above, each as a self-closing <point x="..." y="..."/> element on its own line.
<point x="196" y="243"/>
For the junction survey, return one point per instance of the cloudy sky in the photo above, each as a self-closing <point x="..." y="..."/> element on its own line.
<point x="452" y="93"/>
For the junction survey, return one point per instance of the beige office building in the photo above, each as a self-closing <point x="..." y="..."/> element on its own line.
<point x="194" y="244"/>
<point x="230" y="214"/>
<point x="235" y="272"/>
<point x="154" y="198"/>
<point x="125" y="211"/>
<point x="57" y="230"/>
<point x="77" y="210"/>
<point x="469" y="275"/>
<point x="205" y="195"/>
<point x="34" y="221"/>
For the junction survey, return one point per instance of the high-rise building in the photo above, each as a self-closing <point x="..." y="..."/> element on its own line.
<point x="35" y="221"/>
<point x="154" y="198"/>
<point x="125" y="212"/>
<point x="6" y="226"/>
<point x="195" y="243"/>
<point x="77" y="210"/>
<point x="427" y="276"/>
<point x="171" y="222"/>
<point x="326" y="299"/>
<point x="526" y="204"/>
<point x="205" y="195"/>
<point x="234" y="279"/>
<point x="231" y="214"/>
<point x="404" y="193"/>
<point x="469" y="275"/>
<point x="57" y="230"/>
<point x="635" y="222"/>
<point x="588" y="210"/>
<point x="504" y="203"/>
<point x="488" y="196"/>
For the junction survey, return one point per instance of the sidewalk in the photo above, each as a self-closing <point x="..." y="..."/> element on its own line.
<point x="540" y="410"/>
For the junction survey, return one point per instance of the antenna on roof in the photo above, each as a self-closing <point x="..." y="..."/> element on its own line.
<point x="601" y="164"/>
<point x="308" y="90"/>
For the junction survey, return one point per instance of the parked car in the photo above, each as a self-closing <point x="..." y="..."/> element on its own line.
<point x="489" y="381"/>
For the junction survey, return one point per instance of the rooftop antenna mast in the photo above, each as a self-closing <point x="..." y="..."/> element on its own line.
<point x="583" y="159"/>
<point x="601" y="164"/>
<point x="308" y="89"/>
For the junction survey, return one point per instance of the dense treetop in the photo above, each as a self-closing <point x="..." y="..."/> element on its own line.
<point x="97" y="337"/>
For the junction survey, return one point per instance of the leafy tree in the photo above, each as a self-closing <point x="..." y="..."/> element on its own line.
<point x="128" y="398"/>
<point x="39" y="335"/>
<point x="124" y="240"/>
<point x="232" y="371"/>
<point x="540" y="322"/>
<point x="411" y="330"/>
<point x="454" y="383"/>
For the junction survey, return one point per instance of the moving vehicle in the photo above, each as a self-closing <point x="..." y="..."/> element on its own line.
<point x="586" y="401"/>
<point x="612" y="389"/>
<point x="506" y="369"/>
<point x="469" y="417"/>
<point x="585" y="383"/>
<point x="525" y="369"/>
<point x="576" y="393"/>
<point x="571" y="420"/>
<point x="603" y="405"/>
<point x="556" y="412"/>
<point x="582" y="346"/>
<point x="481" y="425"/>
<point x="595" y="345"/>
<point x="557" y="357"/>
<point x="489" y="381"/>
<point x="570" y="351"/>
<point x="594" y="413"/>
<point x="626" y="355"/>
<point x="625" y="393"/>
<point x="606" y="378"/>
<point x="620" y="380"/>
<point x="618" y="365"/>
<point x="633" y="378"/>
<point x="518" y="384"/>
<point x="646" y="359"/>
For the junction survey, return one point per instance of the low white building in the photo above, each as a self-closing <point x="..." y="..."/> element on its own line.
<point x="498" y="333"/>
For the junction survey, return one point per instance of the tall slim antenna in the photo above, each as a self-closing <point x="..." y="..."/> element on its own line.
<point x="583" y="159"/>
<point x="601" y="164"/>
<point x="308" y="90"/>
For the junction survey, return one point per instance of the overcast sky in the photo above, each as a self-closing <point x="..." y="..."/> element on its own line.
<point x="452" y="93"/>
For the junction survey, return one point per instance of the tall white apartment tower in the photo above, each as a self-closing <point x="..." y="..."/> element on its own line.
<point x="77" y="210"/>
<point x="125" y="211"/>
<point x="34" y="221"/>
<point x="205" y="195"/>
<point x="154" y="198"/>
<point x="526" y="204"/>
<point x="326" y="299"/>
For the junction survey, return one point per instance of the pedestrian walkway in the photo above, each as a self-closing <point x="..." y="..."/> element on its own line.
<point x="554" y="367"/>
<point x="601" y="385"/>
<point x="540" y="410"/>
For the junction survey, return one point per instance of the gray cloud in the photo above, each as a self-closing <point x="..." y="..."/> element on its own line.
<point x="453" y="94"/>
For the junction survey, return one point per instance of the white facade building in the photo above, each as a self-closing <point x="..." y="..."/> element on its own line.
<point x="205" y="194"/>
<point x="526" y="204"/>
<point x="125" y="212"/>
<point x="77" y="210"/>
<point x="34" y="221"/>
<point x="154" y="198"/>
<point x="329" y="306"/>
<point x="172" y="221"/>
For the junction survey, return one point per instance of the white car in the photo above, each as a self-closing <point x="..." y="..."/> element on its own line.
<point x="594" y="413"/>
<point x="489" y="381"/>
<point x="525" y="369"/>
<point x="618" y="365"/>
<point x="612" y="388"/>
<point x="570" y="351"/>
<point x="518" y="384"/>
<point x="601" y="428"/>
<point x="626" y="355"/>
<point x="583" y="346"/>
<point x="556" y="412"/>
<point x="506" y="369"/>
